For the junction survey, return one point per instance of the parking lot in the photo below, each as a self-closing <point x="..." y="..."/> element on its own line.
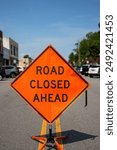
<point x="18" y="122"/>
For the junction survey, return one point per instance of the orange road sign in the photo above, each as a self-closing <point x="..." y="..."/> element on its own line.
<point x="49" y="84"/>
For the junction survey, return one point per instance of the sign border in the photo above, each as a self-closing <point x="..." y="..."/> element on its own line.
<point x="50" y="46"/>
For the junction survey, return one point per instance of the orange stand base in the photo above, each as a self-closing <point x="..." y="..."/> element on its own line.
<point x="50" y="139"/>
<point x="45" y="140"/>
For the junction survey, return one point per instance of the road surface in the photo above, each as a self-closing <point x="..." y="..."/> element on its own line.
<point x="18" y="122"/>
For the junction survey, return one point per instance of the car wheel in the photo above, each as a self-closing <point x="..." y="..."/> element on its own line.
<point x="91" y="76"/>
<point x="12" y="75"/>
<point x="0" y="77"/>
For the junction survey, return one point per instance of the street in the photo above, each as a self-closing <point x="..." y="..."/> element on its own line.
<point x="18" y="121"/>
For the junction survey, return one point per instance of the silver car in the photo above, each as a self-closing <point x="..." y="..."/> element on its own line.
<point x="11" y="71"/>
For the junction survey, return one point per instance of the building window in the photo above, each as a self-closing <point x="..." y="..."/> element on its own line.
<point x="14" y="49"/>
<point x="11" y="49"/>
<point x="1" y="50"/>
<point x="17" y="52"/>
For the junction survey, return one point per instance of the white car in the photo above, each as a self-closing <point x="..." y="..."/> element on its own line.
<point x="94" y="70"/>
<point x="20" y="68"/>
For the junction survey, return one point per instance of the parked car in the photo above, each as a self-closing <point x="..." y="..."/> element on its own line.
<point x="20" y="68"/>
<point x="85" y="69"/>
<point x="79" y="69"/>
<point x="94" y="70"/>
<point x="2" y="73"/>
<point x="11" y="71"/>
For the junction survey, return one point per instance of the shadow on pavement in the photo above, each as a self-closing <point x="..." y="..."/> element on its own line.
<point x="75" y="136"/>
<point x="72" y="136"/>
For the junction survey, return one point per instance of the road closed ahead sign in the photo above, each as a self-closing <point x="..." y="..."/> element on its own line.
<point x="50" y="84"/>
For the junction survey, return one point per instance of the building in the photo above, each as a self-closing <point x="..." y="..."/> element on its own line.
<point x="1" y="48"/>
<point x="6" y="56"/>
<point x="8" y="51"/>
<point x="10" y="48"/>
<point x="25" y="61"/>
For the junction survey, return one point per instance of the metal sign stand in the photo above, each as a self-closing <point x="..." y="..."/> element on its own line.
<point x="49" y="139"/>
<point x="86" y="99"/>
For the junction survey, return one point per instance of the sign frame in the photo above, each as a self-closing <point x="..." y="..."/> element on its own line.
<point x="72" y="101"/>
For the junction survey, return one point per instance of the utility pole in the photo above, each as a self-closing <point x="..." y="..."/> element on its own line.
<point x="78" y="49"/>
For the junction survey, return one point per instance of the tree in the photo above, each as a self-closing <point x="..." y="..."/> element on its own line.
<point x="90" y="46"/>
<point x="73" y="57"/>
<point x="87" y="49"/>
<point x="26" y="56"/>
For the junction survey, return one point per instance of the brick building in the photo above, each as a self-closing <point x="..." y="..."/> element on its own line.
<point x="10" y="48"/>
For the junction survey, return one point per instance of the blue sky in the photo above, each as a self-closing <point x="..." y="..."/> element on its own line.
<point x="35" y="24"/>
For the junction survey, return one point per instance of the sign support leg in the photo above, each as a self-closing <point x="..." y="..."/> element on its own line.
<point x="50" y="138"/>
<point x="86" y="99"/>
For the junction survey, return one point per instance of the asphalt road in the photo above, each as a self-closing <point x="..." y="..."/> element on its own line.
<point x="18" y="122"/>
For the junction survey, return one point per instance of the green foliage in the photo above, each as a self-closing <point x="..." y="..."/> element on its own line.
<point x="73" y="59"/>
<point x="26" y="56"/>
<point x="90" y="46"/>
<point x="89" y="49"/>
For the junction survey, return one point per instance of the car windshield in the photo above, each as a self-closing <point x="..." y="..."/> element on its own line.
<point x="94" y="66"/>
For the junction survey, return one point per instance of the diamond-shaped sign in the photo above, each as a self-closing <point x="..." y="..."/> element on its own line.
<point x="50" y="84"/>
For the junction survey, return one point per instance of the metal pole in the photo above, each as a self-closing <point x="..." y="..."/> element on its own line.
<point x="86" y="99"/>
<point x="50" y="138"/>
<point x="79" y="56"/>
<point x="78" y="49"/>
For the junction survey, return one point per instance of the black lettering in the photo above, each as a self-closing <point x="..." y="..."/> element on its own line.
<point x="110" y="132"/>
<point x="109" y="97"/>
<point x="60" y="70"/>
<point x="110" y="93"/>
<point x="50" y="96"/>
<point x="43" y="97"/>
<point x="38" y="70"/>
<point x="59" y="84"/>
<point x="53" y="84"/>
<point x="46" y="84"/>
<point x="66" y="84"/>
<point x="64" y="97"/>
<point x="110" y="101"/>
<point x="38" y="84"/>
<point x="31" y="84"/>
<point x="110" y="109"/>
<point x="53" y="70"/>
<point x="109" y="83"/>
<point x="46" y="70"/>
<point x="57" y="98"/>
<point x="36" y="98"/>
<point x="110" y="88"/>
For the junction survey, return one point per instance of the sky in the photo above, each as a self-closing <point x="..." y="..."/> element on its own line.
<point x="35" y="24"/>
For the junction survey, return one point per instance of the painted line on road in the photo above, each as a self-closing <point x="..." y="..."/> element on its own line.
<point x="58" y="131"/>
<point x="43" y="132"/>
